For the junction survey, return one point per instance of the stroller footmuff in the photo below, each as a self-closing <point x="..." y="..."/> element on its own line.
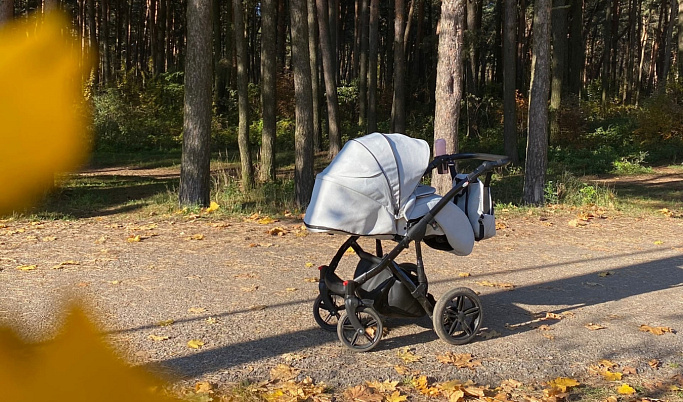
<point x="372" y="189"/>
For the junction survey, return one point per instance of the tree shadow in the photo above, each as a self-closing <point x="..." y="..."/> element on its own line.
<point x="501" y="309"/>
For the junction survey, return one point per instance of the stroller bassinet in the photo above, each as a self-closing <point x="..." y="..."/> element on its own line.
<point x="372" y="189"/>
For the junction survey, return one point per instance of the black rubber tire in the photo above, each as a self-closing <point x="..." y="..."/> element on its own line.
<point x="372" y="323"/>
<point x="458" y="308"/>
<point x="330" y="320"/>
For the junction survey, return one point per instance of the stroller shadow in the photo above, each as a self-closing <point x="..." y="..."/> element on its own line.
<point x="501" y="308"/>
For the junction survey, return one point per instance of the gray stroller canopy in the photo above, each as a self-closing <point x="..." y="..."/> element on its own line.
<point x="365" y="188"/>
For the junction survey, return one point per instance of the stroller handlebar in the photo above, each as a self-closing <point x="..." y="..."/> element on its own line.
<point x="490" y="161"/>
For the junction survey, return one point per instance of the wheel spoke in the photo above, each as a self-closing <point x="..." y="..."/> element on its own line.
<point x="472" y="311"/>
<point x="467" y="328"/>
<point x="368" y="337"/>
<point x="454" y="325"/>
<point x="355" y="338"/>
<point x="460" y="302"/>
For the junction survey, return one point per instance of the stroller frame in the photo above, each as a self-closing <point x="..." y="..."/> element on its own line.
<point x="360" y="321"/>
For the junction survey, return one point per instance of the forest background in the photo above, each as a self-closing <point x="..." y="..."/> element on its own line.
<point x="290" y="79"/>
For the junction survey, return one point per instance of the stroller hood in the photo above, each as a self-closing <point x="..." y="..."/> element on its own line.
<point x="366" y="186"/>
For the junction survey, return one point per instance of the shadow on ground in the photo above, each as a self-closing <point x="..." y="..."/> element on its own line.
<point x="501" y="309"/>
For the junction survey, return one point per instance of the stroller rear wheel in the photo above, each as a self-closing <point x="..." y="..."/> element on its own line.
<point x="368" y="338"/>
<point x="328" y="316"/>
<point x="458" y="316"/>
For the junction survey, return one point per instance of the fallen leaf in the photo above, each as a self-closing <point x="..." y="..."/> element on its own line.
<point x="309" y="264"/>
<point x="654" y="363"/>
<point x="656" y="330"/>
<point x="594" y="327"/>
<point x="48" y="238"/>
<point x="252" y="288"/>
<point x="195" y="344"/>
<point x="197" y="236"/>
<point x="606" y="363"/>
<point x="625" y="389"/>
<point x="629" y="370"/>
<point x="504" y="285"/>
<point x="552" y="316"/>
<point x="401" y="370"/>
<point x="211" y="320"/>
<point x="350" y="250"/>
<point x="157" y="338"/>
<point x="421" y="384"/>
<point x="386" y="386"/>
<point x="407" y="355"/>
<point x="463" y="360"/>
<point x="277" y="231"/>
<point x="266" y="220"/>
<point x="27" y="267"/>
<point x="312" y="280"/>
<point x="283" y="372"/>
<point x="115" y="282"/>
<point x="252" y="245"/>
<point x="165" y="323"/>
<point x="658" y="242"/>
<point x="134" y="239"/>
<point x="610" y="399"/>
<point x="564" y="383"/>
<point x="396" y="397"/>
<point x="577" y="223"/>
<point x="501" y="225"/>
<point x="545" y="327"/>
<point x="203" y="387"/>
<point x="196" y="310"/>
<point x="291" y="289"/>
<point x="611" y="376"/>
<point x="258" y="307"/>
<point x="606" y="273"/>
<point x="213" y="206"/>
<point x="65" y="263"/>
<point x="464" y="274"/>
<point x="548" y="335"/>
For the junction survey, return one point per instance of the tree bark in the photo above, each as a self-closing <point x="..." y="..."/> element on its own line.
<point x="104" y="35"/>
<point x="50" y="5"/>
<point x="363" y="75"/>
<point x="473" y="25"/>
<point x="161" y="37"/>
<point x="661" y="84"/>
<point x="372" y="66"/>
<point x="195" y="166"/>
<point x="559" y="61"/>
<point x="268" y="88"/>
<point x="93" y="43"/>
<point x="330" y="83"/>
<point x="7" y="10"/>
<point x="448" y="82"/>
<point x="303" y="136"/>
<point x="398" y="105"/>
<point x="607" y="42"/>
<point x="537" y="143"/>
<point x="243" y="95"/>
<point x="577" y="50"/>
<point x="679" y="58"/>
<point x="509" y="80"/>
<point x="315" y="78"/>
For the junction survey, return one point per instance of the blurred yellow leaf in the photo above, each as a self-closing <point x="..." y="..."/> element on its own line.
<point x="504" y="285"/>
<point x="196" y="237"/>
<point x="75" y="366"/>
<point x="464" y="274"/>
<point x="165" y="323"/>
<point x="277" y="231"/>
<point x="626" y="389"/>
<point x="196" y="310"/>
<point x="27" y="267"/>
<point x="266" y="220"/>
<point x="203" y="387"/>
<point x="212" y="207"/>
<point x="195" y="344"/>
<point x="43" y="125"/>
<point x="283" y="372"/>
<point x="311" y="280"/>
<point x="563" y="383"/>
<point x="134" y="238"/>
<point x="658" y="242"/>
<point x="396" y="397"/>
<point x="462" y="360"/>
<point x="386" y="386"/>
<point x="157" y="338"/>
<point x="606" y="273"/>
<point x="65" y="263"/>
<point x="594" y="327"/>
<point x="291" y="289"/>
<point x="309" y="264"/>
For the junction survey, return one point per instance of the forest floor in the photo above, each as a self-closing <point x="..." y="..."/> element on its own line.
<point x="565" y="292"/>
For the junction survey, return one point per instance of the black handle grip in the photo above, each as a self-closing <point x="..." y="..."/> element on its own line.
<point x="491" y="161"/>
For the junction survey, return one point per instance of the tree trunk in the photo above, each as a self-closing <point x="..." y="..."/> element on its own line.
<point x="93" y="44"/>
<point x="630" y="52"/>
<point x="161" y="36"/>
<point x="363" y="75"/>
<point x="448" y="82"/>
<point x="104" y="35"/>
<point x="357" y="32"/>
<point x="372" y="66"/>
<point x="153" y="44"/>
<point x="559" y="61"/>
<point x="577" y="50"/>
<point x="315" y="78"/>
<point x="537" y="143"/>
<point x="679" y="58"/>
<point x="268" y="88"/>
<point x="330" y="84"/>
<point x="243" y="95"/>
<point x="303" y="136"/>
<point x="195" y="183"/>
<point x="398" y="105"/>
<point x="661" y="84"/>
<point x="50" y="5"/>
<point x="333" y="15"/>
<point x="218" y="69"/>
<point x="281" y="33"/>
<point x="607" y="42"/>
<point x="509" y="79"/>
<point x="7" y="10"/>
<point x="473" y="25"/>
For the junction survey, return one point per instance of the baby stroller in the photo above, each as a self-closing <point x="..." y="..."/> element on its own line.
<point x="372" y="189"/>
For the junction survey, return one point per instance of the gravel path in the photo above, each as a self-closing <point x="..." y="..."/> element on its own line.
<point x="245" y="294"/>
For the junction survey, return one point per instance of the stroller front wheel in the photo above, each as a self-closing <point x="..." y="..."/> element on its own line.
<point x="368" y="338"/>
<point x="328" y="316"/>
<point x="458" y="316"/>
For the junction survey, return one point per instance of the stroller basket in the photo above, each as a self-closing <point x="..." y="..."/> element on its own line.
<point x="372" y="189"/>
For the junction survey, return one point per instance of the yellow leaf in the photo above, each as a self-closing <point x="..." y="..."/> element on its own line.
<point x="43" y="127"/>
<point x="658" y="242"/>
<point x="165" y="323"/>
<point x="606" y="363"/>
<point x="212" y="207"/>
<point x="266" y="220"/>
<point x="610" y="376"/>
<point x="504" y="285"/>
<point x="654" y="363"/>
<point x="309" y="264"/>
<point x="195" y="344"/>
<point x="291" y="289"/>
<point x="656" y="330"/>
<point x="196" y="237"/>
<point x="563" y="383"/>
<point x="606" y="273"/>
<point x="27" y="267"/>
<point x="76" y="366"/>
<point x="626" y="389"/>
<point x="203" y="387"/>
<point x="463" y="360"/>
<point x="594" y="327"/>
<point x="407" y="355"/>
<point x="464" y="274"/>
<point x="350" y="250"/>
<point x="196" y="310"/>
<point x="401" y="370"/>
<point x="396" y="397"/>
<point x="212" y="320"/>
<point x="134" y="239"/>
<point x="65" y="263"/>
<point x="311" y="280"/>
<point x="386" y="386"/>
<point x="283" y="372"/>
<point x="277" y="231"/>
<point x="157" y="338"/>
